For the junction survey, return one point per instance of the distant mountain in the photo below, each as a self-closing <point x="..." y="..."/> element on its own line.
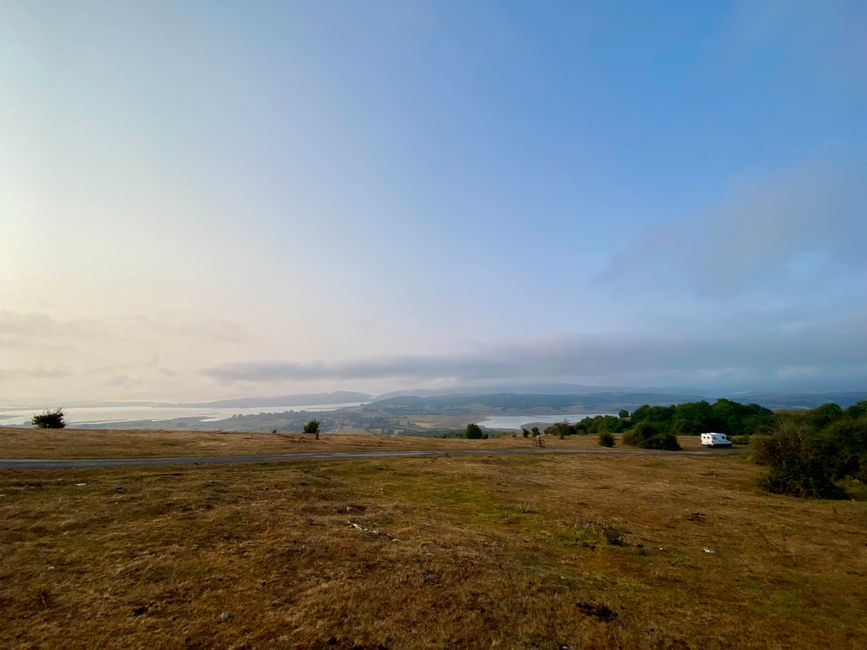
<point x="337" y="397"/>
<point x="545" y="389"/>
<point x="599" y="402"/>
<point x="799" y="400"/>
<point x="524" y="403"/>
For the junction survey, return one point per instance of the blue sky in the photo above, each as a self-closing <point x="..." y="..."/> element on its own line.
<point x="208" y="199"/>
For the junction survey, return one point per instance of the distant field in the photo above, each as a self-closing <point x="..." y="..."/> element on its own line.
<point x="98" y="443"/>
<point x="661" y="551"/>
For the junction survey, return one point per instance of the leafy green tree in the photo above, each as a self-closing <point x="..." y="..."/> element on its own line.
<point x="799" y="462"/>
<point x="623" y="414"/>
<point x="821" y="416"/>
<point x="857" y="410"/>
<point x="49" y="420"/>
<point x="474" y="432"/>
<point x="312" y="427"/>
<point x="648" y="435"/>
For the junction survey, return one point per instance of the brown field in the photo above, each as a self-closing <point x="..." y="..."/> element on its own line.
<point x="510" y="552"/>
<point x="96" y="443"/>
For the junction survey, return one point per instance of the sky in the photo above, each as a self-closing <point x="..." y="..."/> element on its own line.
<point x="212" y="199"/>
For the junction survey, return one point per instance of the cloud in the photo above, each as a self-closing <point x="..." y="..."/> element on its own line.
<point x="215" y="330"/>
<point x="122" y="381"/>
<point x="40" y="372"/>
<point x="797" y="231"/>
<point x="121" y="368"/>
<point x="38" y="325"/>
<point x="836" y="350"/>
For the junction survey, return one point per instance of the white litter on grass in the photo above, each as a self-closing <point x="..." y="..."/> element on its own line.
<point x="80" y="484"/>
<point x="709" y="550"/>
<point x="371" y="531"/>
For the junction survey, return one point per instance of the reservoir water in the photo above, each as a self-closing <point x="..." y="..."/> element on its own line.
<point x="517" y="421"/>
<point x="102" y="414"/>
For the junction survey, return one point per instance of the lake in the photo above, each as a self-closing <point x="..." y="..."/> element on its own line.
<point x="102" y="414"/>
<point x="517" y="421"/>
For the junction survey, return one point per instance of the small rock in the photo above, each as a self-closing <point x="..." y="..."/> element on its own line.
<point x="225" y="616"/>
<point x="51" y="567"/>
<point x="709" y="550"/>
<point x="138" y="611"/>
<point x="80" y="484"/>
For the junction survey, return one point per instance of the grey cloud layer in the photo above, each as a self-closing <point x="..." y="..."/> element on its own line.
<point x="799" y="231"/>
<point x="841" y="351"/>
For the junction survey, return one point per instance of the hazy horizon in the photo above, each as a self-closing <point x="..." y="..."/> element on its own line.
<point x="205" y="201"/>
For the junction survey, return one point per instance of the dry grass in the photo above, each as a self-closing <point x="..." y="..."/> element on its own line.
<point x="537" y="552"/>
<point x="96" y="443"/>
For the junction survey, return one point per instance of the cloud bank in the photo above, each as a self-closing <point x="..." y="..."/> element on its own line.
<point x="763" y="357"/>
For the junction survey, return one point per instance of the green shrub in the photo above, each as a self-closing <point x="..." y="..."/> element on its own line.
<point x="648" y="435"/>
<point x="800" y="462"/>
<point x="49" y="420"/>
<point x="474" y="432"/>
<point x="312" y="427"/>
<point x="606" y="439"/>
<point x="740" y="440"/>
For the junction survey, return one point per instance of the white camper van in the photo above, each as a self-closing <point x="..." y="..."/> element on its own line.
<point x="715" y="440"/>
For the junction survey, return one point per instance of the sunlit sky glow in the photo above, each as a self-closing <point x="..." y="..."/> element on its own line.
<point x="203" y="199"/>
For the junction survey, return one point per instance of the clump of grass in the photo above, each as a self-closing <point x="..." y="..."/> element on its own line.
<point x="606" y="531"/>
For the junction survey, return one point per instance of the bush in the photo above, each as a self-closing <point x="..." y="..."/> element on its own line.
<point x="474" y="432"/>
<point x="312" y="427"/>
<point x="648" y="435"/>
<point x="816" y="454"/>
<point x="797" y="464"/>
<point x="740" y="440"/>
<point x="49" y="420"/>
<point x="606" y="439"/>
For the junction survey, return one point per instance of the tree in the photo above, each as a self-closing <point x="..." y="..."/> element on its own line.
<point x="649" y="435"/>
<point x="474" y="432"/>
<point x="49" y="420"/>
<point x="606" y="439"/>
<point x="623" y="414"/>
<point x="312" y="427"/>
<point x="800" y="463"/>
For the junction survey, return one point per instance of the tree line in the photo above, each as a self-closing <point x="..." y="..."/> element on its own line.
<point x="657" y="427"/>
<point x="820" y="452"/>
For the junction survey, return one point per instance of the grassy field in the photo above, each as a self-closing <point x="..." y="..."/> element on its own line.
<point x="660" y="551"/>
<point x="95" y="443"/>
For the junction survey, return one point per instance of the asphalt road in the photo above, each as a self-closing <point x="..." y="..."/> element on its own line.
<point x="81" y="463"/>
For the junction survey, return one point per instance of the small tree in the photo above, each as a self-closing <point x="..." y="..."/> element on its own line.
<point x="474" y="432"/>
<point x="606" y="439"/>
<point x="800" y="463"/>
<point x="624" y="414"/>
<point x="525" y="432"/>
<point x="648" y="435"/>
<point x="49" y="419"/>
<point x="312" y="427"/>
